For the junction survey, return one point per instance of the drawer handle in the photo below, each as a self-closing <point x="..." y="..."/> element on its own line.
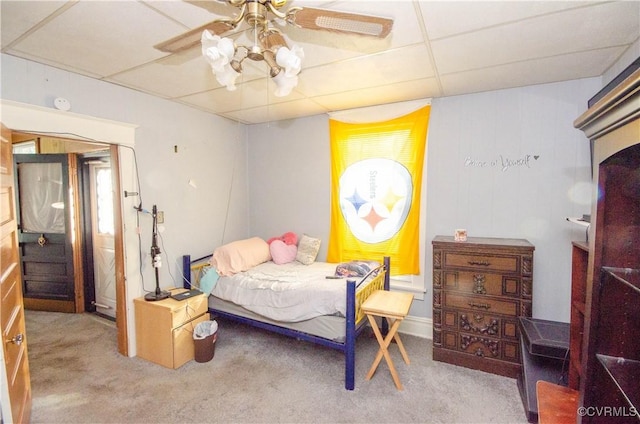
<point x="490" y="344"/>
<point x="478" y="284"/>
<point x="483" y="263"/>
<point x="480" y="305"/>
<point x="491" y="328"/>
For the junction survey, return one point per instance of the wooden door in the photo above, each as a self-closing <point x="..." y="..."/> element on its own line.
<point x="12" y="321"/>
<point x="46" y="231"/>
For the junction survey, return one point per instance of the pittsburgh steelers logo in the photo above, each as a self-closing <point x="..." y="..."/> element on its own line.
<point x="375" y="198"/>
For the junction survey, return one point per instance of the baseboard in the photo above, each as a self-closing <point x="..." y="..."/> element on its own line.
<point x="416" y="326"/>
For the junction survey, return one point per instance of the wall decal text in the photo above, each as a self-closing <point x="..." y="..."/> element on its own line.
<point x="504" y="163"/>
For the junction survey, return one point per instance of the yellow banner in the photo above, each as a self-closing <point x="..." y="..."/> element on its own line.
<point x="376" y="180"/>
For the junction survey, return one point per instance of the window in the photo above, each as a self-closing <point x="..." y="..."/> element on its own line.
<point x="377" y="192"/>
<point x="104" y="201"/>
<point x="25" y="147"/>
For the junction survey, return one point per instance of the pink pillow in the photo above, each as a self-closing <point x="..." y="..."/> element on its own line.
<point x="287" y="238"/>
<point x="282" y="253"/>
<point x="240" y="255"/>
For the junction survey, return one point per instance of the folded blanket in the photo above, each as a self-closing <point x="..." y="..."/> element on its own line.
<point x="355" y="268"/>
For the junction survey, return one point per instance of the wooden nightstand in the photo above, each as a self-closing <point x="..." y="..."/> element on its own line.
<point x="164" y="328"/>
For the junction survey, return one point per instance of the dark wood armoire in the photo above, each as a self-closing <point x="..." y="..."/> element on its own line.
<point x="608" y="363"/>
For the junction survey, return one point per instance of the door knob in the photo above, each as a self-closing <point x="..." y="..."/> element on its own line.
<point x="17" y="339"/>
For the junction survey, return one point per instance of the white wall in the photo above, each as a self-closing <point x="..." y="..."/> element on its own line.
<point x="471" y="139"/>
<point x="286" y="175"/>
<point x="210" y="150"/>
<point x="289" y="175"/>
<point x="290" y="179"/>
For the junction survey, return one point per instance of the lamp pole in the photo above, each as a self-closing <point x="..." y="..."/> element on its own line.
<point x="156" y="260"/>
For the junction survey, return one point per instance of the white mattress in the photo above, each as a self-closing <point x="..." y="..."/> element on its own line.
<point x="330" y="327"/>
<point x="291" y="292"/>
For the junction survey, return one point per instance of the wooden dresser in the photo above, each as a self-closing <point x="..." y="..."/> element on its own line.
<point x="480" y="288"/>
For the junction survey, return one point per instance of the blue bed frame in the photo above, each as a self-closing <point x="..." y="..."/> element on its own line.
<point x="351" y="333"/>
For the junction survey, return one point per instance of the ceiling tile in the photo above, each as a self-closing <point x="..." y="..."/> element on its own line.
<point x="539" y="37"/>
<point x="173" y="76"/>
<point x="472" y="46"/>
<point x="536" y="71"/>
<point x="189" y="13"/>
<point x="277" y="112"/>
<point x="391" y="93"/>
<point x="249" y="94"/>
<point x="18" y="17"/>
<point x="447" y="18"/>
<point x="407" y="63"/>
<point x="89" y="35"/>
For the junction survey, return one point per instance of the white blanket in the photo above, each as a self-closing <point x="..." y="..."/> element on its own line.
<point x="290" y="293"/>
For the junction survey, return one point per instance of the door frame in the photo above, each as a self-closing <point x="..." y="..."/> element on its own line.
<point x="33" y="119"/>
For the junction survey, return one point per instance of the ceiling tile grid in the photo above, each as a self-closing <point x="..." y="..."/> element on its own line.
<point x="436" y="48"/>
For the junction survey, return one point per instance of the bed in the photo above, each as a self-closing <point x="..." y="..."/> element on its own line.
<point x="338" y="322"/>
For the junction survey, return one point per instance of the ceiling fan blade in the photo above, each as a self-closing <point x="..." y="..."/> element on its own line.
<point x="192" y="38"/>
<point x="330" y="20"/>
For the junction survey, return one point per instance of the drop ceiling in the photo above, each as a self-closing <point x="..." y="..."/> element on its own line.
<point x="435" y="49"/>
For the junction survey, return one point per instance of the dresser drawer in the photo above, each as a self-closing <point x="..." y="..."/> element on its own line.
<point x="482" y="283"/>
<point x="500" y="263"/>
<point x="486" y="304"/>
<point x="185" y="310"/>
<point x="480" y="324"/>
<point x="481" y="347"/>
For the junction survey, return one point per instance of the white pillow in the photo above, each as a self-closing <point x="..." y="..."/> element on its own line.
<point x="308" y="249"/>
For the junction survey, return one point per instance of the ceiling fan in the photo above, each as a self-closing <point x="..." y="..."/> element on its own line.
<point x="270" y="46"/>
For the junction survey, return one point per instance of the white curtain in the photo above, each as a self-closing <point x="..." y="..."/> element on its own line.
<point x="41" y="197"/>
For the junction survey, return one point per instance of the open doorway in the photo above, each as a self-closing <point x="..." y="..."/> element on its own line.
<point x="120" y="139"/>
<point x="91" y="200"/>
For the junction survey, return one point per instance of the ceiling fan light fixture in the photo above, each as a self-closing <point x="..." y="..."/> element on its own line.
<point x="219" y="54"/>
<point x="236" y="65"/>
<point x="290" y="60"/>
<point x="284" y="84"/>
<point x="227" y="77"/>
<point x="217" y="51"/>
<point x="225" y="59"/>
<point x="255" y="53"/>
<point x="269" y="45"/>
<point x="272" y="39"/>
<point x="270" y="60"/>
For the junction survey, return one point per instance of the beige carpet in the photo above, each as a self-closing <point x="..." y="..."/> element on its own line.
<point x="77" y="376"/>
